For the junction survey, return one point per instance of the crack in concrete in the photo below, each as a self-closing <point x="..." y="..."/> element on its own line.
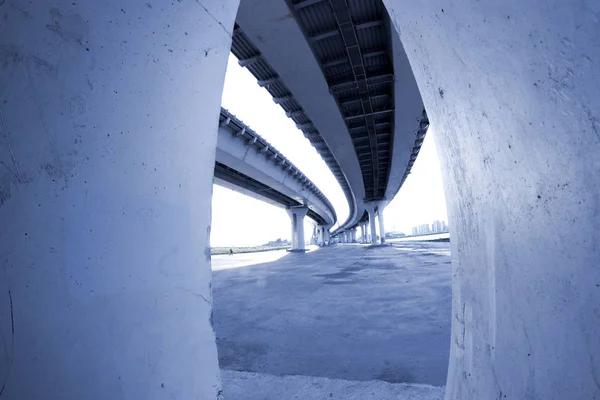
<point x="5" y="134"/>
<point x="528" y="341"/>
<point x="213" y="17"/>
<point x="12" y="357"/>
<point x="594" y="377"/>
<point x="51" y="138"/>
<point x="195" y="294"/>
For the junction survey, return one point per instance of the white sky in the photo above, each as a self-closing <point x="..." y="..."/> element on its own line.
<point x="239" y="220"/>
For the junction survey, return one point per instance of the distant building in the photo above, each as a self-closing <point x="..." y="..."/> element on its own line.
<point x="426" y="229"/>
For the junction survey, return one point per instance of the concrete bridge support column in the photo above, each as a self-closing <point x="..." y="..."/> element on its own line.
<point x="380" y="208"/>
<point x="324" y="234"/>
<point x="353" y="235"/>
<point x="297" y="218"/>
<point x="108" y="128"/>
<point x="511" y="89"/>
<point x="321" y="235"/>
<point x="371" y="208"/>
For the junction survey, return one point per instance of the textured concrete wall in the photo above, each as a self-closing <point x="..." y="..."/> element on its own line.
<point x="512" y="89"/>
<point x="108" y="123"/>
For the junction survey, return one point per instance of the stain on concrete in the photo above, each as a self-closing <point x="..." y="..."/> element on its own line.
<point x="44" y="66"/>
<point x="352" y="269"/>
<point x="395" y="374"/>
<point x="240" y="356"/>
<point x="70" y="28"/>
<point x="339" y="282"/>
<point x="336" y="275"/>
<point x="11" y="55"/>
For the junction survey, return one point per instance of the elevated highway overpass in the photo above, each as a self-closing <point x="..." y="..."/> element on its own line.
<point x="339" y="70"/>
<point x="108" y="133"/>
<point x="247" y="163"/>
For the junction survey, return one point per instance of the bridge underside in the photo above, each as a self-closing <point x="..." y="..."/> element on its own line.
<point x="237" y="180"/>
<point x="350" y="52"/>
<point x="351" y="42"/>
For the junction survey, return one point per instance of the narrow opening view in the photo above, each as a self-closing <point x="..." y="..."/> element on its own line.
<point x="327" y="299"/>
<point x="299" y="200"/>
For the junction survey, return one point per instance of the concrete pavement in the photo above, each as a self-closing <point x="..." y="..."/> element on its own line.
<point x="253" y="386"/>
<point x="344" y="312"/>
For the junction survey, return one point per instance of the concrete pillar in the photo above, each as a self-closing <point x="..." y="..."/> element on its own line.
<point x="353" y="235"/>
<point x="371" y="209"/>
<point x="297" y="218"/>
<point x="511" y="89"/>
<point x="321" y="233"/>
<point x="380" y="208"/>
<point x="108" y="128"/>
<point x="324" y="235"/>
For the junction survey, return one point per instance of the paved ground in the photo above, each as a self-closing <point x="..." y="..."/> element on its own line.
<point x="252" y="386"/>
<point x="345" y="312"/>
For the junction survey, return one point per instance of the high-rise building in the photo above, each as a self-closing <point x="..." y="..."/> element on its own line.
<point x="424" y="229"/>
<point x="436" y="227"/>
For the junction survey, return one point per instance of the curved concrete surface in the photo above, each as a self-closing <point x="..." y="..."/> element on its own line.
<point x="408" y="113"/>
<point x="244" y="151"/>
<point x="108" y="130"/>
<point x="271" y="27"/>
<point x="513" y="90"/>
